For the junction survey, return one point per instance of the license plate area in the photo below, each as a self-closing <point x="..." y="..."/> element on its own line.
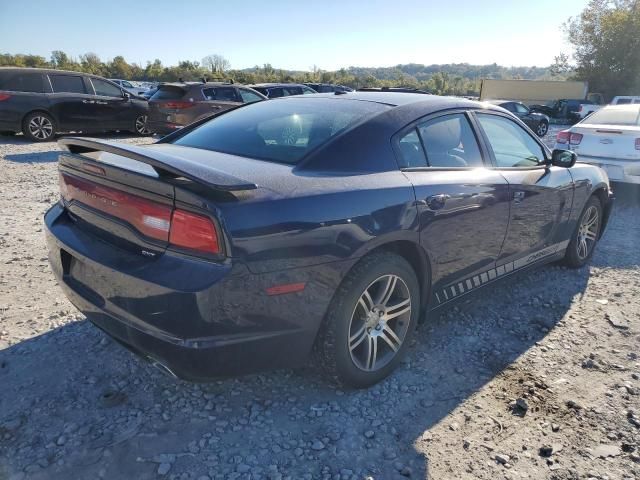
<point x="72" y="273"/>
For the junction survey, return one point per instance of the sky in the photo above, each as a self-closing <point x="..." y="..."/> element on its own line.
<point x="293" y="34"/>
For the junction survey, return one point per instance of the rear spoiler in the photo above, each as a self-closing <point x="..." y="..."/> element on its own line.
<point x="163" y="164"/>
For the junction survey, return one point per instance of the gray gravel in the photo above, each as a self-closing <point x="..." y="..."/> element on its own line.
<point x="536" y="378"/>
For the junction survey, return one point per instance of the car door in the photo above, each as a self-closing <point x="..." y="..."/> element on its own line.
<point x="540" y="195"/>
<point x="463" y="207"/>
<point x="524" y="114"/>
<point x="71" y="101"/>
<point x="113" y="109"/>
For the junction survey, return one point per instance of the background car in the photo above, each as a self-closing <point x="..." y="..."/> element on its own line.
<point x="130" y="87"/>
<point x="538" y="122"/>
<point x="275" y="90"/>
<point x="175" y="105"/>
<point x="586" y="110"/>
<point x="610" y="139"/>
<point x="564" y="109"/>
<point x="328" y="87"/>
<point x="326" y="224"/>
<point x="41" y="103"/>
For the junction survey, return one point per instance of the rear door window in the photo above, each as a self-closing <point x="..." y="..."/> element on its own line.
<point x="276" y="92"/>
<point x="225" y="94"/>
<point x="449" y="142"/>
<point x="292" y="91"/>
<point x="23" y="82"/>
<point x="67" y="84"/>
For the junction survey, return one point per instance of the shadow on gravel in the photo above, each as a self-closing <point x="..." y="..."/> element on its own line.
<point x="76" y="405"/>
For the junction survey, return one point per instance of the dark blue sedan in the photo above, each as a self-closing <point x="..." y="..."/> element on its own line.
<point x="326" y="224"/>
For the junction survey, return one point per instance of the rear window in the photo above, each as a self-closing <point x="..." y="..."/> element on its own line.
<point x="67" y="84"/>
<point x="22" y="82"/>
<point x="168" y="93"/>
<point x="614" y="116"/>
<point x="281" y="130"/>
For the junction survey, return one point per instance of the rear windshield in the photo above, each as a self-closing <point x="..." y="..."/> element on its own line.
<point x="168" y="93"/>
<point x="614" y="116"/>
<point x="280" y="130"/>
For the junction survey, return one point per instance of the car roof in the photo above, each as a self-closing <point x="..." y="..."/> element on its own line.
<point x="624" y="107"/>
<point x="396" y="99"/>
<point x="268" y="84"/>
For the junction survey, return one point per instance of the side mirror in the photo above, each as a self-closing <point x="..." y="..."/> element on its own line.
<point x="563" y="158"/>
<point x="126" y="95"/>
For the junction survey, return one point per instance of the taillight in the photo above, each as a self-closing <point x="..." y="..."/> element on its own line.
<point x="563" y="137"/>
<point x="575" y="138"/>
<point x="180" y="228"/>
<point x="193" y="232"/>
<point x="178" y="105"/>
<point x="4" y="96"/>
<point x="148" y="217"/>
<point x="637" y="143"/>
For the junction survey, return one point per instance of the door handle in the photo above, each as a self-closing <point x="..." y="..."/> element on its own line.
<point x="88" y="101"/>
<point x="518" y="197"/>
<point x="218" y="107"/>
<point x="436" y="202"/>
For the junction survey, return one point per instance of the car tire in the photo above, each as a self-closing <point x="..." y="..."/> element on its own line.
<point x="370" y="321"/>
<point x="140" y="126"/>
<point x="39" y="127"/>
<point x="585" y="237"/>
<point x="542" y="129"/>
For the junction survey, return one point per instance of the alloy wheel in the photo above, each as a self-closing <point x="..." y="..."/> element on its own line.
<point x="588" y="232"/>
<point x="379" y="323"/>
<point x="542" y="129"/>
<point x="40" y="127"/>
<point x="141" y="125"/>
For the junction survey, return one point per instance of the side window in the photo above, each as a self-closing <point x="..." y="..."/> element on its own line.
<point x="325" y="88"/>
<point x="306" y="90"/>
<point x="520" y="108"/>
<point x="127" y="84"/>
<point x="411" y="151"/>
<point x="623" y="101"/>
<point x="508" y="106"/>
<point x="227" y="94"/>
<point x="209" y="93"/>
<point x="23" y="82"/>
<point x="293" y="91"/>
<point x="105" y="89"/>
<point x="450" y="142"/>
<point x="249" y="97"/>
<point x="67" y="84"/>
<point x="276" y="92"/>
<point x="512" y="146"/>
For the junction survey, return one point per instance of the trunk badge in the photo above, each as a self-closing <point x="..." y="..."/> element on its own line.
<point x="606" y="141"/>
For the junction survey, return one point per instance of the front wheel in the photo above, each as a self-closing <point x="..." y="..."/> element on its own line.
<point x="584" y="240"/>
<point x="542" y="129"/>
<point x="370" y="321"/>
<point x="140" y="126"/>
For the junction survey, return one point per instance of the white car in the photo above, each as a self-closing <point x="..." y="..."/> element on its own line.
<point x="587" y="109"/>
<point x="129" y="87"/>
<point x="610" y="139"/>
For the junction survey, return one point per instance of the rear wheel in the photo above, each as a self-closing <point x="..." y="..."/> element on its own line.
<point x="371" y="321"/>
<point x="584" y="240"/>
<point x="140" y="125"/>
<point x="542" y="129"/>
<point x="39" y="127"/>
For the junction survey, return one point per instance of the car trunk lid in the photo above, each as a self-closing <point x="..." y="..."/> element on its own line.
<point x="609" y="141"/>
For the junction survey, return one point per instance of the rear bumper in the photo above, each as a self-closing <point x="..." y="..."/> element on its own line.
<point x="200" y="319"/>
<point x="625" y="171"/>
<point x="162" y="127"/>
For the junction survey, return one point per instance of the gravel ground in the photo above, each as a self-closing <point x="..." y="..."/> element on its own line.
<point x="537" y="378"/>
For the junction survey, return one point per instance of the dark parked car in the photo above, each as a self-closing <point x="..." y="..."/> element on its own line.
<point x="276" y="90"/>
<point x="328" y="87"/>
<point x="175" y="105"/>
<point x="538" y="122"/>
<point x="41" y="103"/>
<point x="562" y="109"/>
<point x="230" y="246"/>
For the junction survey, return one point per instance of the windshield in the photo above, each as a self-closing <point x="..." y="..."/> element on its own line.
<point x="280" y="130"/>
<point x="614" y="116"/>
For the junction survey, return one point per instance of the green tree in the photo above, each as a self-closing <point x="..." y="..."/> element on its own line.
<point x="606" y="38"/>
<point x="217" y="64"/>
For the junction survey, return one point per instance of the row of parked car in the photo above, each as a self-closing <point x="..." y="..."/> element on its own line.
<point x="42" y="102"/>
